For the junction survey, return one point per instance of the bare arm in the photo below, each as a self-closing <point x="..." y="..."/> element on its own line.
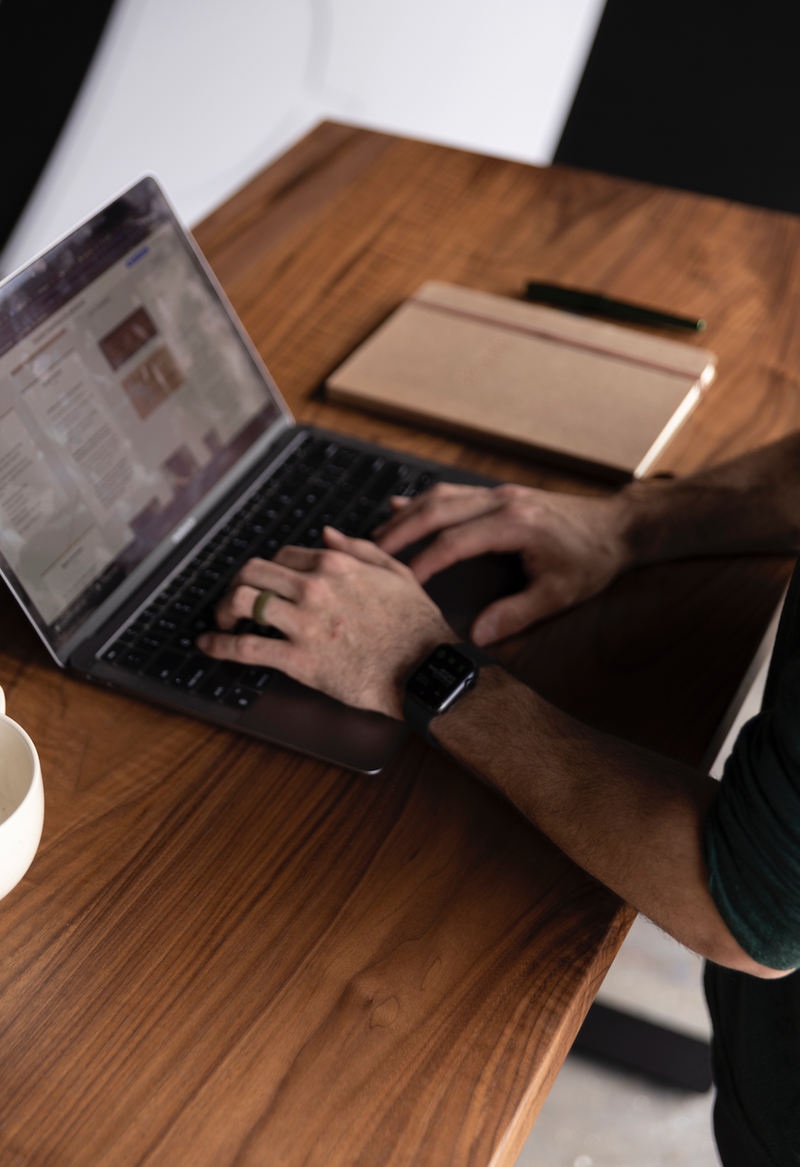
<point x="630" y="818"/>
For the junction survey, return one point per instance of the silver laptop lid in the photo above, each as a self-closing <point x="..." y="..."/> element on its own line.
<point x="130" y="401"/>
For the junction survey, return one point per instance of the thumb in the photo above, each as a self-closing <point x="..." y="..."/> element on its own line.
<point x="512" y="614"/>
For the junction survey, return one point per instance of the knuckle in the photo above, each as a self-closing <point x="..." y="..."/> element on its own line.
<point x="517" y="510"/>
<point x="240" y="600"/>
<point x="439" y="490"/>
<point x="314" y="589"/>
<point x="331" y="561"/>
<point x="247" y="648"/>
<point x="511" y="491"/>
<point x="251" y="570"/>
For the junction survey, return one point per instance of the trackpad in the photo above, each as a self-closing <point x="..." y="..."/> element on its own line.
<point x="465" y="589"/>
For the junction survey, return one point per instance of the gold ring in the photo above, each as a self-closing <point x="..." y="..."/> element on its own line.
<point x="262" y="599"/>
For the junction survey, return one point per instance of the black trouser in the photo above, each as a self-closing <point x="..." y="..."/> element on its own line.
<point x="729" y="1144"/>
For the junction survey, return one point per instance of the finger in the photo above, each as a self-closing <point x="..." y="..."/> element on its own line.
<point x="441" y="507"/>
<point x="446" y="502"/>
<point x="514" y="613"/>
<point x="263" y="574"/>
<point x="397" y="502"/>
<point x="236" y="605"/>
<point x="297" y="558"/>
<point x="362" y="549"/>
<point x="281" y="614"/>
<point x="248" y="649"/>
<point x="464" y="541"/>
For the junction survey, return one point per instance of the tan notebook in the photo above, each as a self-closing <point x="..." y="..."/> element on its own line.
<point x="566" y="388"/>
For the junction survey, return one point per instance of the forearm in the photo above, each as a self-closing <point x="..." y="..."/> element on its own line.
<point x="631" y="819"/>
<point x="750" y="504"/>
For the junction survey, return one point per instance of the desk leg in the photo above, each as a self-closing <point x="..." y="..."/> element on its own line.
<point x="641" y="1045"/>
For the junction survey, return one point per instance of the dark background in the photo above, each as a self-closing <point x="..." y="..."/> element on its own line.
<point x="45" y="51"/>
<point x="698" y="94"/>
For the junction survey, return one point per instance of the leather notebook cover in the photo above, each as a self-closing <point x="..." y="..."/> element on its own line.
<point x="568" y="389"/>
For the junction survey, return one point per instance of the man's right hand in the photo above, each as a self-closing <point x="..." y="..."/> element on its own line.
<point x="571" y="546"/>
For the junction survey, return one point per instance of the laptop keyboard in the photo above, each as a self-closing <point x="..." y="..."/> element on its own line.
<point x="320" y="484"/>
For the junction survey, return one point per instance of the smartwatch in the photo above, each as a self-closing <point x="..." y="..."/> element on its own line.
<point x="450" y="671"/>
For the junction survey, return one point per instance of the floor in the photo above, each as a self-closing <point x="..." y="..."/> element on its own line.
<point x="206" y="96"/>
<point x="596" y="1116"/>
<point x="599" y="1116"/>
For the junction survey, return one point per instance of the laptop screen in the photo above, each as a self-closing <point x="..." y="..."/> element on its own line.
<point x="126" y="394"/>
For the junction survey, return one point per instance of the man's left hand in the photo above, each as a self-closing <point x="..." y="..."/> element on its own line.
<point x="355" y="620"/>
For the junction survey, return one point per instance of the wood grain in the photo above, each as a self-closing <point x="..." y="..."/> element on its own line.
<point x="225" y="953"/>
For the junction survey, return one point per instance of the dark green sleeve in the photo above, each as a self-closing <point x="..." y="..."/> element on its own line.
<point x="752" y="833"/>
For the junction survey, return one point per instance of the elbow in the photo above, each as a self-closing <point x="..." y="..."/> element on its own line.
<point x="725" y="950"/>
<point x="754" y="969"/>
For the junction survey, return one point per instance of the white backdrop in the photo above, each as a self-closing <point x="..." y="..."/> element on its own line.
<point x="205" y="94"/>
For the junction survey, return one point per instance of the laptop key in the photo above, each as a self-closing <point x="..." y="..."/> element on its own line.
<point x="382" y="486"/>
<point x="164" y="665"/>
<point x="364" y="470"/>
<point x="220" y="680"/>
<point x="133" y="660"/>
<point x="203" y="621"/>
<point x="193" y="672"/>
<point x="151" y="641"/>
<point x="256" y="678"/>
<point x="240" y="698"/>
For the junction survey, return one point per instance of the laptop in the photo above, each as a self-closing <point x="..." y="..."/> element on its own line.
<point x="146" y="453"/>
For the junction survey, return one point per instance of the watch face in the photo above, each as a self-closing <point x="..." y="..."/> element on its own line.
<point x="444" y="675"/>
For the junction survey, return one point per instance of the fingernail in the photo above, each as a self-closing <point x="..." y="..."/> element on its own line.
<point x="203" y="641"/>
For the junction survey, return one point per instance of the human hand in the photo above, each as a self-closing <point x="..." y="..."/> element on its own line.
<point x="571" y="546"/>
<point x="355" y="620"/>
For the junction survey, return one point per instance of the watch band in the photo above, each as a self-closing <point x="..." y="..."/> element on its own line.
<point x="445" y="676"/>
<point x="476" y="655"/>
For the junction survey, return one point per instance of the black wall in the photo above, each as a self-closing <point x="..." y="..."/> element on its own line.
<point x="699" y="94"/>
<point x="45" y="50"/>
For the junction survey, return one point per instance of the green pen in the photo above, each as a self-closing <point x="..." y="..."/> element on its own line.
<point x="599" y="305"/>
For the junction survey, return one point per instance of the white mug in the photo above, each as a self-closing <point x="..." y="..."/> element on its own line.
<point x="21" y="801"/>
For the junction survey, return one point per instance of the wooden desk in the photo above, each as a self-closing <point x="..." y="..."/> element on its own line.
<point x="225" y="953"/>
